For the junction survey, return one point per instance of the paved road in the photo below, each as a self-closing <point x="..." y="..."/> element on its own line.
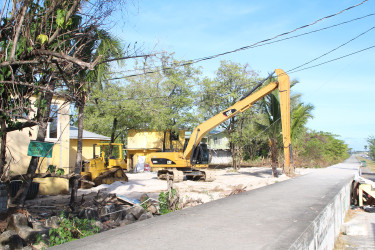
<point x="272" y="217"/>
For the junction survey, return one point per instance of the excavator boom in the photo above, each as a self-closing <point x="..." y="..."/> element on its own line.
<point x="193" y="162"/>
<point x="283" y="84"/>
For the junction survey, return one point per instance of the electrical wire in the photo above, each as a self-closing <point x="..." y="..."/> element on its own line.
<point x="257" y="44"/>
<point x="363" y="33"/>
<point x="283" y="34"/>
<point x="264" y="44"/>
<point x="335" y="59"/>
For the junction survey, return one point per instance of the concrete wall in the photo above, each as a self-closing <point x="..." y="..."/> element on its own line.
<point x="220" y="157"/>
<point x="322" y="232"/>
<point x="18" y="142"/>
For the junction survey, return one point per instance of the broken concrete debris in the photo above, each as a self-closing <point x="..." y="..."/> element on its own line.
<point x="108" y="211"/>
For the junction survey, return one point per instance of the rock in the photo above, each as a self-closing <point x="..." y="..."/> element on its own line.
<point x="52" y="222"/>
<point x="40" y="246"/>
<point x="19" y="224"/>
<point x="143" y="198"/>
<point x="137" y="211"/>
<point x="145" y="216"/>
<point x="38" y="225"/>
<point x="27" y="248"/>
<point x="130" y="217"/>
<point x="100" y="225"/>
<point x="28" y="234"/>
<point x="88" y="213"/>
<point x="10" y="240"/>
<point x="17" y="221"/>
<point x="152" y="209"/>
<point x="107" y="209"/>
<point x="126" y="222"/>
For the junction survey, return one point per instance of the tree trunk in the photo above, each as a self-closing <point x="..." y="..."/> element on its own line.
<point x="3" y="146"/>
<point x="273" y="146"/>
<point x="234" y="156"/>
<point x="42" y="117"/>
<point x="78" y="166"/>
<point x="240" y="157"/>
<point x="113" y="134"/>
<point x="165" y="134"/>
<point x="170" y="140"/>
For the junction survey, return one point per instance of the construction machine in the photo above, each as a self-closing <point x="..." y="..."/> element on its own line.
<point x="104" y="168"/>
<point x="192" y="162"/>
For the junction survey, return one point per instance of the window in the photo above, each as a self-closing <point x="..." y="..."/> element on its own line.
<point x="53" y="124"/>
<point x="215" y="140"/>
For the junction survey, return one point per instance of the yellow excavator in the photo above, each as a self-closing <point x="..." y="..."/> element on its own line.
<point x="192" y="162"/>
<point x="104" y="169"/>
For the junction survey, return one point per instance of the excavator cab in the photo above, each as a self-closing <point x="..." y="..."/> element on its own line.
<point x="200" y="154"/>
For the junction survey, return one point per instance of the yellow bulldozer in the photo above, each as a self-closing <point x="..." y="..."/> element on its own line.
<point x="105" y="168"/>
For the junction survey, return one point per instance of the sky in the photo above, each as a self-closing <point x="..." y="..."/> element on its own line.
<point x="342" y="91"/>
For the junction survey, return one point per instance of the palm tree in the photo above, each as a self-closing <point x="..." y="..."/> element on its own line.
<point x="300" y="115"/>
<point x="270" y="107"/>
<point x="103" y="46"/>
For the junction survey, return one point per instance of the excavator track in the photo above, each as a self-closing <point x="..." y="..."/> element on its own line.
<point x="209" y="175"/>
<point x="177" y="176"/>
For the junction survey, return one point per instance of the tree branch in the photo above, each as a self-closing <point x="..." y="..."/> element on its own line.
<point x="70" y="12"/>
<point x="18" y="31"/>
<point x="41" y="88"/>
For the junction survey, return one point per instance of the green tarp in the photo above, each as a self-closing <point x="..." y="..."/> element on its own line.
<point x="40" y="149"/>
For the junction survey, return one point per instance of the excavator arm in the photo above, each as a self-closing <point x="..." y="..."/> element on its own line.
<point x="283" y="84"/>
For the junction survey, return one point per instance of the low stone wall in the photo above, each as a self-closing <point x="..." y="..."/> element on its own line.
<point x="322" y="232"/>
<point x="220" y="156"/>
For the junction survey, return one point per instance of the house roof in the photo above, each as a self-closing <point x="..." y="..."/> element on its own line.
<point x="87" y="135"/>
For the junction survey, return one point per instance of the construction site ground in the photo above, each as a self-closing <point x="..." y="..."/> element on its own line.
<point x="272" y="217"/>
<point x="191" y="192"/>
<point x="227" y="182"/>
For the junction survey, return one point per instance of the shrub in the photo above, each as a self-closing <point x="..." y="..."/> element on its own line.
<point x="71" y="228"/>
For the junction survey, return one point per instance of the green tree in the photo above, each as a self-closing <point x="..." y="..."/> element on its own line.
<point x="371" y="146"/>
<point x="101" y="46"/>
<point x="161" y="101"/>
<point x="39" y="48"/>
<point x="271" y="124"/>
<point x="321" y="149"/>
<point x="232" y="81"/>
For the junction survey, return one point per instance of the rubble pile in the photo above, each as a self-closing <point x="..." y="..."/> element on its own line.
<point x="21" y="229"/>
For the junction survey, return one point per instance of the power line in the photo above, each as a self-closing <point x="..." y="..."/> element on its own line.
<point x="335" y="59"/>
<point x="363" y="33"/>
<point x="283" y="34"/>
<point x="254" y="45"/>
<point x="259" y="45"/>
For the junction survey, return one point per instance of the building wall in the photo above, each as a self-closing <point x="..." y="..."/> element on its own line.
<point x="152" y="139"/>
<point x="18" y="142"/>
<point x="219" y="141"/>
<point x="87" y="150"/>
